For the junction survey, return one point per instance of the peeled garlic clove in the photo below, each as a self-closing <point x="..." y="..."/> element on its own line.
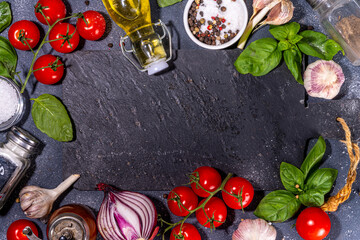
<point x="254" y="229"/>
<point x="323" y="79"/>
<point x="280" y="14"/>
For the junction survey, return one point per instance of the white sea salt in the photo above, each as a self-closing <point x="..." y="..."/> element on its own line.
<point x="9" y="101"/>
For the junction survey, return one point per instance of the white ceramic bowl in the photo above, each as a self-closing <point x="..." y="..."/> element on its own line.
<point x="243" y="14"/>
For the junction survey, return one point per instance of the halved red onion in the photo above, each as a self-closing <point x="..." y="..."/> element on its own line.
<point x="125" y="215"/>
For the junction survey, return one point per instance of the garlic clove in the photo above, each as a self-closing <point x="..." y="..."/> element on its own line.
<point x="280" y="14"/>
<point x="258" y="5"/>
<point x="323" y="79"/>
<point x="254" y="229"/>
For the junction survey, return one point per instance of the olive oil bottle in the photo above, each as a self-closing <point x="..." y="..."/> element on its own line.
<point x="133" y="16"/>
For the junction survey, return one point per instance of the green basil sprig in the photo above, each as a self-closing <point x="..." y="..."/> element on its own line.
<point x="306" y="186"/>
<point x="5" y="15"/>
<point x="8" y="58"/>
<point x="166" y="3"/>
<point x="289" y="43"/>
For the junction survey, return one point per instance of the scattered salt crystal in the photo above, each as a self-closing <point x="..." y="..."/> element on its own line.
<point x="8" y="101"/>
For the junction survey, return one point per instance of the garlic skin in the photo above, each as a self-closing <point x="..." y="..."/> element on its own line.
<point x="258" y="5"/>
<point x="323" y="79"/>
<point x="254" y="229"/>
<point x="280" y="14"/>
<point x="37" y="202"/>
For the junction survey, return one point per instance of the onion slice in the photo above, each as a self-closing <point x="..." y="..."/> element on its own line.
<point x="254" y="229"/>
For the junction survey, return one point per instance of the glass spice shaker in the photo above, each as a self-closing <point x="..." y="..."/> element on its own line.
<point x="341" y="19"/>
<point x="15" y="160"/>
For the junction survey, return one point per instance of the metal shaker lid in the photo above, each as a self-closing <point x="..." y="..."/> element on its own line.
<point x="23" y="139"/>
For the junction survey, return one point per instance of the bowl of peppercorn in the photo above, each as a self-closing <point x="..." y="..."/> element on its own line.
<point x="215" y="24"/>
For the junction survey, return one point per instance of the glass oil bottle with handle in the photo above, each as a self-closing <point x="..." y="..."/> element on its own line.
<point x="134" y="17"/>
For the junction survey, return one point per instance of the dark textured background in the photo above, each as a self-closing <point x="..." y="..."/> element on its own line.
<point x="47" y="169"/>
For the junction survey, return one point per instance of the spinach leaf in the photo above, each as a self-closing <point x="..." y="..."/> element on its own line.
<point x="51" y="117"/>
<point x="8" y="58"/>
<point x="5" y="15"/>
<point x="259" y="58"/>
<point x="166" y="3"/>
<point x="318" y="45"/>
<point x="285" y="32"/>
<point x="314" y="157"/>
<point x="278" y="206"/>
<point x="290" y="177"/>
<point x="312" y="198"/>
<point x="321" y="180"/>
<point x="293" y="60"/>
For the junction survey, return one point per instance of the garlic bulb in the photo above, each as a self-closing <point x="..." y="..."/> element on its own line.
<point x="258" y="5"/>
<point x="280" y="14"/>
<point x="254" y="229"/>
<point x="37" y="202"/>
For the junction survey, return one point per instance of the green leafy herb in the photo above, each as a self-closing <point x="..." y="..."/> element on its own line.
<point x="259" y="58"/>
<point x="293" y="60"/>
<point x="8" y="58"/>
<point x="291" y="177"/>
<point x="51" y="117"/>
<point x="278" y="206"/>
<point x="285" y="32"/>
<point x="166" y="3"/>
<point x="322" y="180"/>
<point x="5" y="15"/>
<point x="314" y="157"/>
<point x="312" y="198"/>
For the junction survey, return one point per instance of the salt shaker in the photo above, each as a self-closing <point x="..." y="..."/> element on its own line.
<point x="341" y="19"/>
<point x="15" y="160"/>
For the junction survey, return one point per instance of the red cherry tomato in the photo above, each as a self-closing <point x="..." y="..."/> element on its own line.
<point x="14" y="231"/>
<point x="54" y="71"/>
<point x="208" y="178"/>
<point x="313" y="224"/>
<point x="240" y="187"/>
<point x="216" y="213"/>
<point x="66" y="36"/>
<point x="186" y="196"/>
<point x="52" y="9"/>
<point x="188" y="232"/>
<point x="94" y="27"/>
<point x="21" y="31"/>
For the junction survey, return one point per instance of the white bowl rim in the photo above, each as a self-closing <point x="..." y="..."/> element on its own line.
<point x="216" y="47"/>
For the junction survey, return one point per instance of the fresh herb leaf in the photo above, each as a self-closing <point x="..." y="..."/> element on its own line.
<point x="284" y="45"/>
<point x="8" y="58"/>
<point x="314" y="157"/>
<point x="321" y="180"/>
<point x="293" y="60"/>
<point x="312" y="198"/>
<point x="5" y="15"/>
<point x="166" y="3"/>
<point x="278" y="206"/>
<point x="51" y="117"/>
<point x="285" y="32"/>
<point x="259" y="58"/>
<point x="291" y="177"/>
<point x="295" y="39"/>
<point x="318" y="45"/>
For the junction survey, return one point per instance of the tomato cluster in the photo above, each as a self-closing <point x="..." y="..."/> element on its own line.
<point x="63" y="37"/>
<point x="211" y="211"/>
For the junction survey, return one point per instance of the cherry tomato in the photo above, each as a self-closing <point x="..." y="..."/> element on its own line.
<point x="52" y="9"/>
<point x="14" y="231"/>
<point x="68" y="37"/>
<point x="186" y="196"/>
<point x="240" y="187"/>
<point x="188" y="232"/>
<point x="94" y="27"/>
<point x="21" y="31"/>
<point x="208" y="178"/>
<point x="216" y="213"/>
<point x="313" y="224"/>
<point x="54" y="71"/>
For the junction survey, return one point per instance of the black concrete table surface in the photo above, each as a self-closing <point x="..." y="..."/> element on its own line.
<point x="47" y="169"/>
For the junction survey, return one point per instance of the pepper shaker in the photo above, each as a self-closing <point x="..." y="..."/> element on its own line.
<point x="341" y="19"/>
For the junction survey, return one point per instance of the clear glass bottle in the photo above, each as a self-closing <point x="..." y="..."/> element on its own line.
<point x="341" y="19"/>
<point x="15" y="160"/>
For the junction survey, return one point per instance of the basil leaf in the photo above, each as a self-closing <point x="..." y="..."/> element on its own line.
<point x="5" y="15"/>
<point x="322" y="180"/>
<point x="293" y="60"/>
<point x="314" y="157"/>
<point x="259" y="58"/>
<point x="166" y="3"/>
<point x="295" y="39"/>
<point x="312" y="198"/>
<point x="318" y="45"/>
<point x="284" y="45"/>
<point x="278" y="206"/>
<point x="290" y="177"/>
<point x="285" y="32"/>
<point x="51" y="117"/>
<point x="8" y="58"/>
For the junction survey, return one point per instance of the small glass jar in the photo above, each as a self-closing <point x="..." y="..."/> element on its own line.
<point x="15" y="160"/>
<point x="12" y="104"/>
<point x="341" y="19"/>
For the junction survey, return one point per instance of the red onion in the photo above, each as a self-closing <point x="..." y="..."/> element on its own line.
<point x="125" y="215"/>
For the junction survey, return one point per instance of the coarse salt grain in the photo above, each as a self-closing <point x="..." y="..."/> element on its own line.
<point x="9" y="101"/>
